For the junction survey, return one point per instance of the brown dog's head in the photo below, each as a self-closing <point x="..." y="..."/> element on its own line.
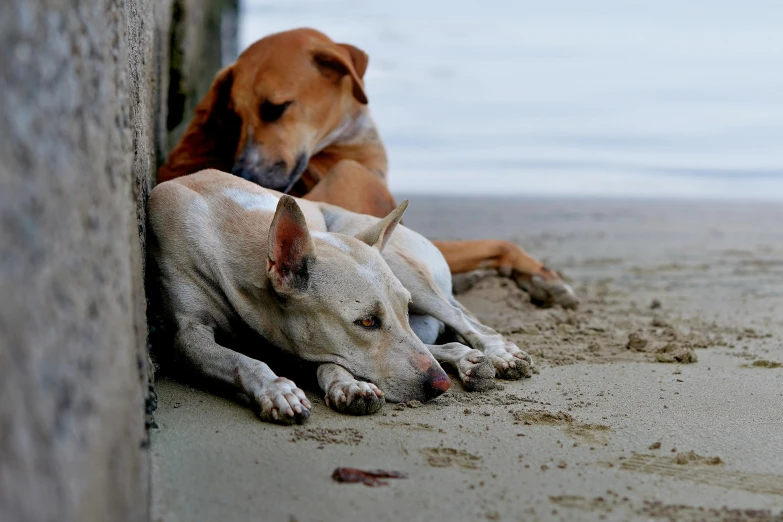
<point x="280" y="102"/>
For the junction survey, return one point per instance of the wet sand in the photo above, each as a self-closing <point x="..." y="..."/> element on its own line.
<point x="605" y="431"/>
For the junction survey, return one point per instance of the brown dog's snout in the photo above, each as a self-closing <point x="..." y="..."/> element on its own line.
<point x="436" y="382"/>
<point x="253" y="165"/>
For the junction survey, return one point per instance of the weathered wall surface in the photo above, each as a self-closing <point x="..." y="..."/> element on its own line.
<point x="202" y="37"/>
<point x="83" y="98"/>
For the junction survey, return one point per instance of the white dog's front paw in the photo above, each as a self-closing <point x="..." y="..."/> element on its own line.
<point x="282" y="402"/>
<point x="355" y="397"/>
<point x="476" y="371"/>
<point x="510" y="362"/>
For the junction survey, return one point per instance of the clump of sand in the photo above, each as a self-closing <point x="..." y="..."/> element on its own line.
<point x="636" y="342"/>
<point x="590" y="433"/>
<point x="491" y="398"/>
<point x="692" y="457"/>
<point x="350" y="436"/>
<point x="675" y="353"/>
<point x="543" y="417"/>
<point x="449" y="457"/>
<point x="761" y="363"/>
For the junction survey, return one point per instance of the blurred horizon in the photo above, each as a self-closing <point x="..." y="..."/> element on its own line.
<point x="565" y="98"/>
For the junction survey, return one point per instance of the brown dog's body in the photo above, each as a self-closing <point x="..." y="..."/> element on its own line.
<point x="291" y="115"/>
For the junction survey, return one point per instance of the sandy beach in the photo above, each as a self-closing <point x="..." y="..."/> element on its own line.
<point x="660" y="398"/>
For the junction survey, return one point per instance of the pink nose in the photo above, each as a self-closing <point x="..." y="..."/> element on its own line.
<point x="436" y="382"/>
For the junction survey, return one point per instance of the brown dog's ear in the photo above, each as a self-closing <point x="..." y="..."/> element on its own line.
<point x="345" y="59"/>
<point x="215" y="110"/>
<point x="211" y="136"/>
<point x="359" y="58"/>
<point x="290" y="248"/>
<point x="377" y="235"/>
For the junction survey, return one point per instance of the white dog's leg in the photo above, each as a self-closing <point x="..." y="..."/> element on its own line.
<point x="278" y="399"/>
<point x="509" y="361"/>
<point x="423" y="271"/>
<point x="426" y="327"/>
<point x="346" y="394"/>
<point x="475" y="370"/>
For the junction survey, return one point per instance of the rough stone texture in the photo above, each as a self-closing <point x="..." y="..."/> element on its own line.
<point x="202" y="38"/>
<point x="82" y="96"/>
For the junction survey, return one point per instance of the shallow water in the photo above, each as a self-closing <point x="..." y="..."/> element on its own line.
<point x="608" y="97"/>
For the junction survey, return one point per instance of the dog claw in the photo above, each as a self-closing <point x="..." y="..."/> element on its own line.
<point x="282" y="402"/>
<point x="504" y="371"/>
<point x="476" y="371"/>
<point x="355" y="398"/>
<point x="511" y="363"/>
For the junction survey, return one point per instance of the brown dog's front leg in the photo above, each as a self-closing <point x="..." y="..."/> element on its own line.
<point x="346" y="394"/>
<point x="347" y="179"/>
<point x="278" y="399"/>
<point x="543" y="284"/>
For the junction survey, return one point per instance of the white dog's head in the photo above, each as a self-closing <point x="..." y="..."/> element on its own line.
<point x="345" y="306"/>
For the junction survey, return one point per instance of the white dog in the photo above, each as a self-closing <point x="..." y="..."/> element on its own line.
<point x="320" y="282"/>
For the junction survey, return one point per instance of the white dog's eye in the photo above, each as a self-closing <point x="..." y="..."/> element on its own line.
<point x="369" y="322"/>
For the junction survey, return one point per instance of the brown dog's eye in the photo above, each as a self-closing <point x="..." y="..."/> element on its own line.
<point x="369" y="322"/>
<point x="271" y="112"/>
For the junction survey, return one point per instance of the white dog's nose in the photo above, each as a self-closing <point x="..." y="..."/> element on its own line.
<point x="436" y="383"/>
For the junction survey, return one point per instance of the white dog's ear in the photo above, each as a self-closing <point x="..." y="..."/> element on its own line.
<point x="291" y="248"/>
<point x="377" y="235"/>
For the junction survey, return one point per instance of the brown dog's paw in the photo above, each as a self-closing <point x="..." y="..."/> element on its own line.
<point x="547" y="289"/>
<point x="476" y="371"/>
<point x="283" y="403"/>
<point x="355" y="398"/>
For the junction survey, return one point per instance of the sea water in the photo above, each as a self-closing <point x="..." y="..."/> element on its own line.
<point x="665" y="98"/>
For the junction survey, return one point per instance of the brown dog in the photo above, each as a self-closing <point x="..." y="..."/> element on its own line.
<point x="291" y="115"/>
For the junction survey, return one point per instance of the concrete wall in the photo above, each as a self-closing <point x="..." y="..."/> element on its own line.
<point x="83" y="104"/>
<point x="195" y="57"/>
